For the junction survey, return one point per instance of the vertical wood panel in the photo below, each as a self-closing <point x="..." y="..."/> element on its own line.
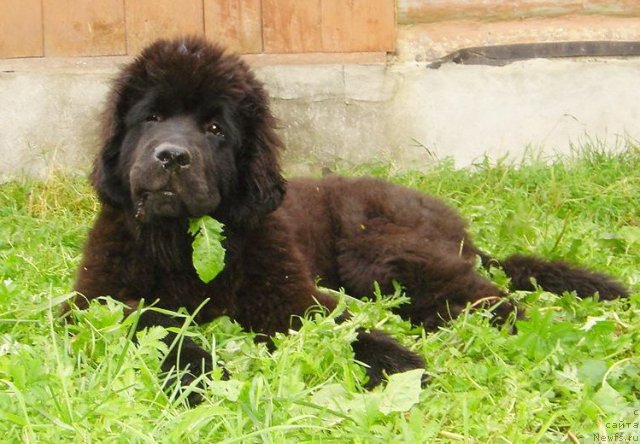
<point x="21" y="28"/>
<point x="237" y="24"/>
<point x="358" y="25"/>
<point x="83" y="27"/>
<point x="109" y="27"/>
<point x="150" y="20"/>
<point x="291" y="26"/>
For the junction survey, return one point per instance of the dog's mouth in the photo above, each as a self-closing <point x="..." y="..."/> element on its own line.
<point x="159" y="204"/>
<point x="157" y="195"/>
<point x="173" y="204"/>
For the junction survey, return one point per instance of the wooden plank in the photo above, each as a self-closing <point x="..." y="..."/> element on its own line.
<point x="291" y="26"/>
<point x="236" y="24"/>
<point x="21" y="28"/>
<point x="623" y="8"/>
<point x="317" y="58"/>
<point x="431" y="11"/>
<point x="147" y="21"/>
<point x="358" y="25"/>
<point x="83" y="27"/>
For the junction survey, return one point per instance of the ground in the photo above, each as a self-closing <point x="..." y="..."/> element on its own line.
<point x="571" y="372"/>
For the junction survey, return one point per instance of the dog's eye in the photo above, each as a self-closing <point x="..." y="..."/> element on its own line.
<point x="154" y="117"/>
<point x="214" y="128"/>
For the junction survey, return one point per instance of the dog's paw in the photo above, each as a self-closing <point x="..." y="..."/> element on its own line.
<point x="383" y="356"/>
<point x="188" y="367"/>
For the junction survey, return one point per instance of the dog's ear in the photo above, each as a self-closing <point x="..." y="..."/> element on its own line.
<point x="261" y="186"/>
<point x="105" y="177"/>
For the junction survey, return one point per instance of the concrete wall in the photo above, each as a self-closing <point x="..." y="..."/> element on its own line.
<point x="49" y="114"/>
<point x="404" y="112"/>
<point x="410" y="115"/>
<point x="344" y="107"/>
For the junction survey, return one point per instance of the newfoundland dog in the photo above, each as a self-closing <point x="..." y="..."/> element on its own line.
<point x="188" y="132"/>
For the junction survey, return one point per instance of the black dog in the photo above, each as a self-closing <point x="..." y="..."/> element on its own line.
<point x="188" y="132"/>
<point x="353" y="232"/>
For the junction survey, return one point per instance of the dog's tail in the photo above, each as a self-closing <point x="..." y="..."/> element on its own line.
<point x="556" y="277"/>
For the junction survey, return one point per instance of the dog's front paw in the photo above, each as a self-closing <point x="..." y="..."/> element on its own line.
<point x="383" y="355"/>
<point x="188" y="367"/>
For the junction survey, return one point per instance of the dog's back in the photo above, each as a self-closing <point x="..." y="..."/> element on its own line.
<point x="357" y="231"/>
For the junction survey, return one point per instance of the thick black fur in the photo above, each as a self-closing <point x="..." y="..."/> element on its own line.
<point x="353" y="232"/>
<point x="188" y="132"/>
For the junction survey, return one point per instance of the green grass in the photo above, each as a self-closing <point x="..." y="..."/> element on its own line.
<point x="571" y="371"/>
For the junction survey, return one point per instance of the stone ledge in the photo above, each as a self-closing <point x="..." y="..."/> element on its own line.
<point x="430" y="41"/>
<point x="500" y="55"/>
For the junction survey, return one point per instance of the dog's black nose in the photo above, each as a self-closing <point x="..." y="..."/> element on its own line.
<point x="172" y="156"/>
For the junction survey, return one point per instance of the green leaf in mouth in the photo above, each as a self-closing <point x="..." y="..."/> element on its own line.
<point x="208" y="252"/>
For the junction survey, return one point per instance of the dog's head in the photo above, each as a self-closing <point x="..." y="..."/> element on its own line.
<point x="188" y="132"/>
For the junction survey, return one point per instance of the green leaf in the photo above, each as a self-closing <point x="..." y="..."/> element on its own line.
<point x="402" y="391"/>
<point x="208" y="252"/>
<point x="229" y="390"/>
<point x="609" y="400"/>
<point x="592" y="371"/>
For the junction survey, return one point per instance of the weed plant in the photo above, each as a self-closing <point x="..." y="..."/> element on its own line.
<point x="571" y="373"/>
